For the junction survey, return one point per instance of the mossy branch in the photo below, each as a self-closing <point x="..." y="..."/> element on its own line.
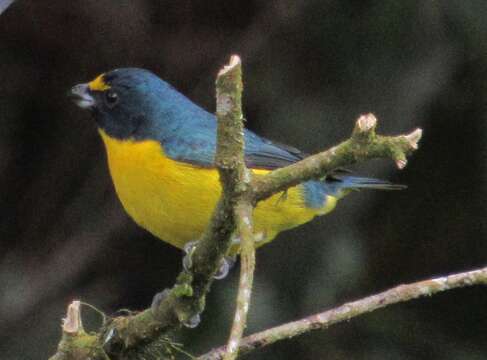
<point x="186" y="299"/>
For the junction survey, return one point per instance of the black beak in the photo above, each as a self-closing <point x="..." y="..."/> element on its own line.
<point x="81" y="95"/>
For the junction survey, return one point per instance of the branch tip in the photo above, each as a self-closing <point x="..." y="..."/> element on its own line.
<point x="366" y="122"/>
<point x="234" y="61"/>
<point x="414" y="137"/>
<point x="72" y="322"/>
<point x="401" y="163"/>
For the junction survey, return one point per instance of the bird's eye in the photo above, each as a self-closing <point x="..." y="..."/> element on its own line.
<point x="111" y="98"/>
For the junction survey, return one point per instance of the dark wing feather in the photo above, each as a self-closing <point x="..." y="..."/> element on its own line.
<point x="195" y="143"/>
<point x="261" y="153"/>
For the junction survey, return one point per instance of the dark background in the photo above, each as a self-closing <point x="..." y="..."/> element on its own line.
<point x="310" y="67"/>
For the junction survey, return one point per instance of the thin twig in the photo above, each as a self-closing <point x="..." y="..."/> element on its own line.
<point x="364" y="144"/>
<point x="247" y="266"/>
<point x="353" y="309"/>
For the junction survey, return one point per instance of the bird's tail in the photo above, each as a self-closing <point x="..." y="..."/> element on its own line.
<point x="343" y="184"/>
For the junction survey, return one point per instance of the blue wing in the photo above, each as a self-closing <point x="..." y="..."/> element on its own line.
<point x="194" y="142"/>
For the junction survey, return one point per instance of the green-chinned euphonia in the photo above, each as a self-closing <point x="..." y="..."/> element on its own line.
<point x="161" y="149"/>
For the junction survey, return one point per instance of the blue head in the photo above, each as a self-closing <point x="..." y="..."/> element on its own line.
<point x="134" y="103"/>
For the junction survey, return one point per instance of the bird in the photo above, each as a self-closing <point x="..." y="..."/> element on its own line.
<point x="161" y="147"/>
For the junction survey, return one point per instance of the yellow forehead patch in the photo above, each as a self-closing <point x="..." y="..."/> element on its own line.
<point x="98" y="84"/>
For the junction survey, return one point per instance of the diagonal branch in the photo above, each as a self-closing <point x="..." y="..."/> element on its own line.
<point x="353" y="309"/>
<point x="363" y="145"/>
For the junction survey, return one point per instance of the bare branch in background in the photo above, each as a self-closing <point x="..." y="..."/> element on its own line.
<point x="4" y="4"/>
<point x="353" y="309"/>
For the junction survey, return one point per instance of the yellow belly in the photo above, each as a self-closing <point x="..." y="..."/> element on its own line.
<point x="174" y="200"/>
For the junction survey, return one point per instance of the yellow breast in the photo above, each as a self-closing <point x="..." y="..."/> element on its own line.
<point x="174" y="200"/>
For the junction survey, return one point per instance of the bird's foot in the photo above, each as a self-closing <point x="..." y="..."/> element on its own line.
<point x="158" y="299"/>
<point x="188" y="249"/>
<point x="226" y="265"/>
<point x="193" y="321"/>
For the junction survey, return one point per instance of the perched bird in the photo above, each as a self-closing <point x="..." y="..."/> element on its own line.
<point x="161" y="149"/>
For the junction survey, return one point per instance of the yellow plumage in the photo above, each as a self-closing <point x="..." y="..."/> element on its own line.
<point x="174" y="200"/>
